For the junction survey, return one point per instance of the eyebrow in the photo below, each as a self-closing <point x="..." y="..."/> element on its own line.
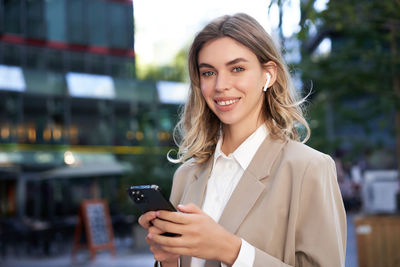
<point x="232" y="62"/>
<point x="236" y="60"/>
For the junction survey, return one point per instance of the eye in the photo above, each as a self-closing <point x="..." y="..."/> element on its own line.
<point x="207" y="73"/>
<point x="238" y="69"/>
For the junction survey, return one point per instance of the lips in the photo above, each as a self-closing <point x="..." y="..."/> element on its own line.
<point x="226" y="104"/>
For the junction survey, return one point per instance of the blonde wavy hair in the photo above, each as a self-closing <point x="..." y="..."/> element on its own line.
<point x="197" y="131"/>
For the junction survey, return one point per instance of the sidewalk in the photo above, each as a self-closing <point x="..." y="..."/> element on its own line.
<point x="103" y="259"/>
<point x="126" y="256"/>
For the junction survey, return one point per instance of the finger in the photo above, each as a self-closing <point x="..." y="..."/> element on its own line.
<point x="175" y="217"/>
<point x="190" y="208"/>
<point x="155" y="231"/>
<point x="179" y="251"/>
<point x="146" y="218"/>
<point x="159" y="253"/>
<point x="162" y="255"/>
<point x="167" y="226"/>
<point x="166" y="241"/>
<point x="156" y="249"/>
<point x="151" y="242"/>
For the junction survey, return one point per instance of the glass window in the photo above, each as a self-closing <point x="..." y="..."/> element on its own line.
<point x="12" y="78"/>
<point x="10" y="112"/>
<point x="97" y="23"/>
<point x="44" y="119"/>
<point x="121" y="24"/>
<point x="55" y="60"/>
<point x="130" y="24"/>
<point x="34" y="19"/>
<point x="96" y="63"/>
<point x="91" y="122"/>
<point x="34" y="57"/>
<point x="11" y="54"/>
<point x="12" y="16"/>
<point x="125" y="128"/>
<point x="36" y="118"/>
<point x="76" y="62"/>
<point x="76" y="22"/>
<point x="90" y="85"/>
<point x="55" y="20"/>
<point x="122" y="67"/>
<point x="44" y="82"/>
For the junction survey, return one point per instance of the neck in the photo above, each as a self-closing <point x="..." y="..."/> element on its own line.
<point x="235" y="135"/>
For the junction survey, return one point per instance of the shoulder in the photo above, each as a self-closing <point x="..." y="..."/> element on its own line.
<point x="317" y="169"/>
<point x="185" y="169"/>
<point x="303" y="160"/>
<point x="302" y="153"/>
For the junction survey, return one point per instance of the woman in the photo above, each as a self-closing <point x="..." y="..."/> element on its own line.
<point x="249" y="194"/>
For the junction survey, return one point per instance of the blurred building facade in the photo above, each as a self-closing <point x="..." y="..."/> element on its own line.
<point x="71" y="108"/>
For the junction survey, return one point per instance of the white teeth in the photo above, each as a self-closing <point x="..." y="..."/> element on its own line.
<point x="228" y="102"/>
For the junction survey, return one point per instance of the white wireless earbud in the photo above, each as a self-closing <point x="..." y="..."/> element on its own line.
<point x="267" y="83"/>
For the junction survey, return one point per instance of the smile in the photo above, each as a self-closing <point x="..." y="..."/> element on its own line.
<point x="227" y="102"/>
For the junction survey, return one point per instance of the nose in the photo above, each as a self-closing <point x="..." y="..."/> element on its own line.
<point x="222" y="82"/>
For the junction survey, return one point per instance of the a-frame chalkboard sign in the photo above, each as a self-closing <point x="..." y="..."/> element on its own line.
<point x="94" y="228"/>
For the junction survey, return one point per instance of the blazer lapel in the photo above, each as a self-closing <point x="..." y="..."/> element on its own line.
<point x="250" y="186"/>
<point x="195" y="194"/>
<point x="245" y="194"/>
<point x="196" y="190"/>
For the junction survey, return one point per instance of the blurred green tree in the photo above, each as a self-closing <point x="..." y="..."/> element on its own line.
<point x="358" y="82"/>
<point x="174" y="71"/>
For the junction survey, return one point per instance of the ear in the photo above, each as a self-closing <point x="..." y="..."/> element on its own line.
<point x="271" y="68"/>
<point x="267" y="83"/>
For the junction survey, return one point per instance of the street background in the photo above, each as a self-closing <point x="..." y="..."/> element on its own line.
<point x="90" y="92"/>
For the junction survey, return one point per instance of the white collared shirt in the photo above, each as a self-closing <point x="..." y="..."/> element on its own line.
<point x="225" y="175"/>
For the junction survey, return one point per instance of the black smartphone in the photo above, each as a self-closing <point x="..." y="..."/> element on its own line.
<point x="150" y="198"/>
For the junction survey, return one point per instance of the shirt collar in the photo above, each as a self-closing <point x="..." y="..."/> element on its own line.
<point x="246" y="151"/>
<point x="218" y="152"/>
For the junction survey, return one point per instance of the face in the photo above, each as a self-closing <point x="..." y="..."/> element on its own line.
<point x="232" y="81"/>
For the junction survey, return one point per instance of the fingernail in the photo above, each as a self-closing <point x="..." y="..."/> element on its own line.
<point x="149" y="236"/>
<point x="157" y="213"/>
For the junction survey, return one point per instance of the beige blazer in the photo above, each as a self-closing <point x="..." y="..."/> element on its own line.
<point x="287" y="205"/>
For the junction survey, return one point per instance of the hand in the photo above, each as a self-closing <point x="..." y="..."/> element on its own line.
<point x="167" y="259"/>
<point x="160" y="254"/>
<point x="200" y="236"/>
<point x="145" y="219"/>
